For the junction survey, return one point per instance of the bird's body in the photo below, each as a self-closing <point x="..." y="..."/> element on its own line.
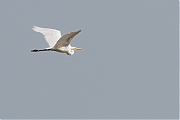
<point x="56" y="42"/>
<point x="67" y="49"/>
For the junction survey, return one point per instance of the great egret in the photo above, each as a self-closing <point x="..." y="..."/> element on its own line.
<point x="56" y="42"/>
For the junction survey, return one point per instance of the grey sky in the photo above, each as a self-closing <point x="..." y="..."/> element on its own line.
<point x="128" y="67"/>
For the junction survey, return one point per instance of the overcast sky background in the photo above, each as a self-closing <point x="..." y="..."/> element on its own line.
<point x="128" y="67"/>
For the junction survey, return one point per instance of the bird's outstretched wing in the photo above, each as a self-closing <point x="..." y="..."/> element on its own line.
<point x="51" y="35"/>
<point x="66" y="39"/>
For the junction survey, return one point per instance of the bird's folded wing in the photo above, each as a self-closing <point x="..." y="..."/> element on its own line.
<point x="66" y="39"/>
<point x="51" y="35"/>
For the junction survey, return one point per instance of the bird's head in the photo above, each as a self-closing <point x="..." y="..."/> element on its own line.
<point x="71" y="51"/>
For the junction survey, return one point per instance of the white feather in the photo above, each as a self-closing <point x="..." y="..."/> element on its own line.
<point x="51" y="35"/>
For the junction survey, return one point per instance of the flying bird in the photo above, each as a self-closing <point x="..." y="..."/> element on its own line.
<point x="56" y="42"/>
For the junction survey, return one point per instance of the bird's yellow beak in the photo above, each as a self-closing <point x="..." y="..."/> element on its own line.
<point x="77" y="48"/>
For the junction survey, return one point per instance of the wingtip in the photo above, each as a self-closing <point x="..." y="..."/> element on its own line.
<point x="34" y="27"/>
<point x="79" y="30"/>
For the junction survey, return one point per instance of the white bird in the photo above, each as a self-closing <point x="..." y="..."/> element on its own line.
<point x="56" y="42"/>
